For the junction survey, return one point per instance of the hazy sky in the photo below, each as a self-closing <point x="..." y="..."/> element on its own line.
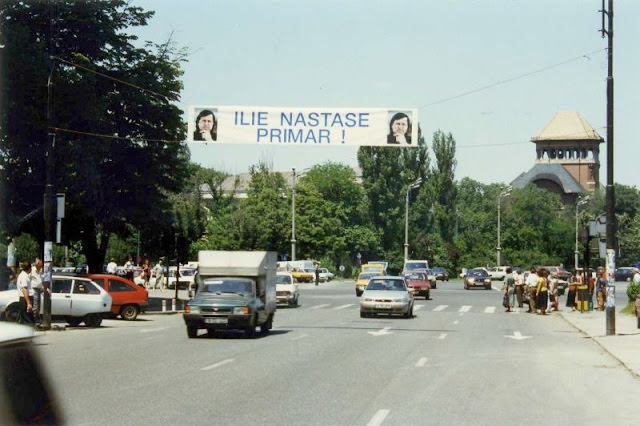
<point x="493" y="73"/>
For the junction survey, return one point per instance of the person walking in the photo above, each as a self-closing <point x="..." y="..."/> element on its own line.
<point x="574" y="282"/>
<point x="23" y="283"/>
<point x="128" y="268"/>
<point x="508" y="284"/>
<point x="518" y="283"/>
<point x="317" y="274"/>
<point x="112" y="267"/>
<point x="159" y="274"/>
<point x="146" y="273"/>
<point x="552" y="282"/>
<point x="532" y="284"/>
<point x="36" y="284"/>
<point x="542" y="293"/>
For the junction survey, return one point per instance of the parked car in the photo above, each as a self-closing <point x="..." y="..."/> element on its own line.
<point x="624" y="274"/>
<point x="325" y="275"/>
<point x="441" y="273"/>
<point x="186" y="280"/>
<point x="128" y="299"/>
<point x="286" y="289"/>
<point x="498" y="273"/>
<point x="386" y="295"/>
<point x="363" y="280"/>
<point x="477" y="277"/>
<point x="419" y="282"/>
<point x="75" y="299"/>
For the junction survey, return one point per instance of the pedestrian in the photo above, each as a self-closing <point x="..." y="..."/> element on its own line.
<point x="36" y="284"/>
<point x="23" y="283"/>
<point x="532" y="285"/>
<point x="552" y="282"/>
<point x="601" y="296"/>
<point x="518" y="283"/>
<point x="508" y="284"/>
<point x="146" y="273"/>
<point x="159" y="274"/>
<point x="574" y="282"/>
<point x="128" y="268"/>
<point x="112" y="267"/>
<point x="542" y="293"/>
<point x="317" y="274"/>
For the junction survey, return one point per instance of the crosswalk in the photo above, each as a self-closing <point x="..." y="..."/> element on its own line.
<point x="437" y="308"/>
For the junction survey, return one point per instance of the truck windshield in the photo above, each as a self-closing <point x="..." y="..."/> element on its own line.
<point x="228" y="285"/>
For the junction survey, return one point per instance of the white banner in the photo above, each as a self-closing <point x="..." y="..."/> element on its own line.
<point x="303" y="126"/>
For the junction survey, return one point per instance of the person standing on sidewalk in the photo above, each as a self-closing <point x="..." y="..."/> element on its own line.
<point x="518" y="282"/>
<point x="23" y="283"/>
<point x="542" y="293"/>
<point x="317" y="274"/>
<point x="532" y="285"/>
<point x="159" y="273"/>
<point x="36" y="284"/>
<point x="508" y="284"/>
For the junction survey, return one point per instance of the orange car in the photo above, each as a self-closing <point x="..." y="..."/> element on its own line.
<point x="129" y="299"/>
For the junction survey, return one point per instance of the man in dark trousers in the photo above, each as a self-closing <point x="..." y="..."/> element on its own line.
<point x="317" y="274"/>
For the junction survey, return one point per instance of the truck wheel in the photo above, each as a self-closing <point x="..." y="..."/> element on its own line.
<point x="129" y="312"/>
<point x="73" y="321"/>
<point x="192" y="331"/>
<point x="93" y="320"/>
<point x="267" y="325"/>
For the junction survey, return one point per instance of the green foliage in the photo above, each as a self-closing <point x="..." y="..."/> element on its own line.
<point x="633" y="291"/>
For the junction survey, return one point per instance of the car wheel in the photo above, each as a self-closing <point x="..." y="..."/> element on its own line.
<point x="434" y="285"/>
<point x="362" y="315"/>
<point x="428" y="296"/>
<point x="487" y="287"/>
<point x="129" y="312"/>
<point x="73" y="321"/>
<point x="358" y="293"/>
<point x="192" y="331"/>
<point x="93" y="320"/>
<point x="12" y="313"/>
<point x="267" y="325"/>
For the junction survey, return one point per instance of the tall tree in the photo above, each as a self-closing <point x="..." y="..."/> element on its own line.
<point x="112" y="111"/>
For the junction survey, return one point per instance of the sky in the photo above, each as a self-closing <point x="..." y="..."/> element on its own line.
<point x="492" y="73"/>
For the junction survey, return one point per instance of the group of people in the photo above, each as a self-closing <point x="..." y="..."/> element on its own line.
<point x="539" y="290"/>
<point x="146" y="272"/>
<point x="30" y="284"/>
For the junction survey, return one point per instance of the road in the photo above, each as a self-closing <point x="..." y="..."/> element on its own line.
<point x="461" y="360"/>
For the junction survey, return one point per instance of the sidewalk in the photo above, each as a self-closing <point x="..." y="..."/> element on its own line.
<point x="624" y="345"/>
<point x="156" y="297"/>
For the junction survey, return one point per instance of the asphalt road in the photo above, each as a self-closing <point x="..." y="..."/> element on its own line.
<point x="461" y="360"/>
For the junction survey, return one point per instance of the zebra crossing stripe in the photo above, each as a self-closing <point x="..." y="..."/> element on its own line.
<point x="490" y="310"/>
<point x="324" y="305"/>
<point x="440" y="308"/>
<point x="417" y="308"/>
<point x="343" y="306"/>
<point x="464" y="308"/>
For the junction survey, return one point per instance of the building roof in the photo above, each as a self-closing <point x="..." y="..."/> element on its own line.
<point x="567" y="126"/>
<point x="553" y="172"/>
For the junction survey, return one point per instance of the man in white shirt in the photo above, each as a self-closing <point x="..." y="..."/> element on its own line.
<point x="36" y="284"/>
<point x="23" y="283"/>
<point x="532" y="284"/>
<point x="159" y="273"/>
<point x="112" y="267"/>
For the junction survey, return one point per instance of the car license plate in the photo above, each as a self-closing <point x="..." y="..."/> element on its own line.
<point x="381" y="306"/>
<point x="215" y="320"/>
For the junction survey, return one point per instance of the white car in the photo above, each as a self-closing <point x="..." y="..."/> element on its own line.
<point x="325" y="275"/>
<point x="75" y="299"/>
<point x="498" y="273"/>
<point x="286" y="289"/>
<point x="187" y="277"/>
<point x="386" y="295"/>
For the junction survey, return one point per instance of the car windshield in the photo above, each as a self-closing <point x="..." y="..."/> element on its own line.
<point x="415" y="276"/>
<point x="366" y="275"/>
<point x="227" y="285"/>
<point x="389" y="285"/>
<point x="283" y="279"/>
<point x="409" y="266"/>
<point x="187" y="272"/>
<point x="478" y="273"/>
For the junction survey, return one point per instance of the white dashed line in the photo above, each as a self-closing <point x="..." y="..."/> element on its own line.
<point x="302" y="336"/>
<point x="440" y="308"/>
<point x="151" y="330"/>
<point x="421" y="362"/>
<point x="217" y="364"/>
<point x="324" y="305"/>
<point x="456" y="322"/>
<point x="464" y="308"/>
<point x="417" y="308"/>
<point x="490" y="310"/>
<point x="378" y="418"/>
<point x="343" y="306"/>
<point x="442" y="336"/>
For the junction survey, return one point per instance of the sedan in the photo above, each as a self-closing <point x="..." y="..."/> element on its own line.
<point x="441" y="273"/>
<point x="624" y="274"/>
<point x="363" y="280"/>
<point x="325" y="275"/>
<point x="477" y="278"/>
<point x="75" y="299"/>
<point x="419" y="282"/>
<point x="286" y="289"/>
<point x="128" y="299"/>
<point x="386" y="295"/>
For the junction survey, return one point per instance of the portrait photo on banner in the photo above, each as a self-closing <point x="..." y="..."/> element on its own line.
<point x="205" y="125"/>
<point x="400" y="128"/>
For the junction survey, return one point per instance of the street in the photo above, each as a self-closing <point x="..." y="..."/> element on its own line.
<point x="461" y="360"/>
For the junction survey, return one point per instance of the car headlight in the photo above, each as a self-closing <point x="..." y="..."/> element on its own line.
<point x="189" y="309"/>
<point x="367" y="299"/>
<point x="472" y="280"/>
<point x="241" y="310"/>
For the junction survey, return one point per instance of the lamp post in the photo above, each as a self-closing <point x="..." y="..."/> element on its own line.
<point x="504" y="193"/>
<point x="580" y="202"/>
<point x="411" y="186"/>
<point x="293" y="211"/>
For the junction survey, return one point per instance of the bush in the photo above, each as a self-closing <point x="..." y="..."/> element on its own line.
<point x="633" y="291"/>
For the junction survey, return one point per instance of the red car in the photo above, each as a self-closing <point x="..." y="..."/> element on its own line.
<point x="420" y="284"/>
<point x="129" y="299"/>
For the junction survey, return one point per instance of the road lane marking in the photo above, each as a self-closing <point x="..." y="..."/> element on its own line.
<point x="442" y="336"/>
<point x="465" y="308"/>
<point x="421" y="362"/>
<point x="344" y="306"/>
<point x="378" y="418"/>
<point x="490" y="310"/>
<point x="440" y="308"/>
<point x="302" y="336"/>
<point x="456" y="322"/>
<point x="151" y="330"/>
<point x="382" y="332"/>
<point x="324" y="305"/>
<point x="517" y="336"/>
<point x="417" y="308"/>
<point x="217" y="364"/>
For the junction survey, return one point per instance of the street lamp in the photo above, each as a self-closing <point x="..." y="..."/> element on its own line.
<point x="293" y="212"/>
<point x="504" y="193"/>
<point x="580" y="202"/>
<point x="411" y="186"/>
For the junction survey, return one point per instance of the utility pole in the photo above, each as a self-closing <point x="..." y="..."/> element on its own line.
<point x="607" y="30"/>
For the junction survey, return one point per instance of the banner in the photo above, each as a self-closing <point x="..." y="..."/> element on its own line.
<point x="303" y="126"/>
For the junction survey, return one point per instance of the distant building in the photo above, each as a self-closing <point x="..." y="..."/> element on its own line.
<point x="567" y="157"/>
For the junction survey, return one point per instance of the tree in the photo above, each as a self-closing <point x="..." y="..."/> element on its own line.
<point x="117" y="150"/>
